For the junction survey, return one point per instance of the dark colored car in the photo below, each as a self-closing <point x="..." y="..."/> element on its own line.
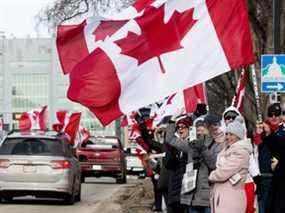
<point x="41" y="164"/>
<point x="102" y="157"/>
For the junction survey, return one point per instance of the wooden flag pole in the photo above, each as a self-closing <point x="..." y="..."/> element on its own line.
<point x="256" y="93"/>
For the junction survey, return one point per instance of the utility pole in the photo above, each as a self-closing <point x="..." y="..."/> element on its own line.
<point x="276" y="26"/>
<point x="52" y="82"/>
<point x="276" y="38"/>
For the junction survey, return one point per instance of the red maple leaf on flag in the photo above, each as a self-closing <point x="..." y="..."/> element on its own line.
<point x="156" y="36"/>
<point x="107" y="28"/>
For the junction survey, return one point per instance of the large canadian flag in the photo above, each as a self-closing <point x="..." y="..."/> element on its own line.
<point x="152" y="50"/>
<point x="35" y="119"/>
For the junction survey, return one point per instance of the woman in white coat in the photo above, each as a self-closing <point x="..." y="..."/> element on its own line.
<point x="228" y="194"/>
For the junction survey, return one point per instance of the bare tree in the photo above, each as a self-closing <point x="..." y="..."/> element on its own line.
<point x="64" y="10"/>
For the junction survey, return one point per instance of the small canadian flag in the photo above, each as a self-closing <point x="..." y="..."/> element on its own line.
<point x="68" y="124"/>
<point x="34" y="119"/>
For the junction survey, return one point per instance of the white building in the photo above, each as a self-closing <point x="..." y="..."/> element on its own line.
<point x="30" y="77"/>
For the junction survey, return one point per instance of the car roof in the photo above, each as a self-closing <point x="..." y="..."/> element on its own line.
<point x="34" y="134"/>
<point x="108" y="136"/>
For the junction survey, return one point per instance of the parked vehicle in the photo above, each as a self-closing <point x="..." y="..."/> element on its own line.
<point x="41" y="164"/>
<point x="134" y="164"/>
<point x="102" y="156"/>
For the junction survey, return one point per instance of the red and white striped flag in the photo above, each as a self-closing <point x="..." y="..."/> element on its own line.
<point x="126" y="62"/>
<point x="34" y="119"/>
<point x="240" y="91"/>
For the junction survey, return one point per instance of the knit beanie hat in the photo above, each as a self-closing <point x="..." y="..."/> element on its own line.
<point x="200" y="123"/>
<point x="184" y="119"/>
<point x="212" y="119"/>
<point x="237" y="127"/>
<point x="274" y="109"/>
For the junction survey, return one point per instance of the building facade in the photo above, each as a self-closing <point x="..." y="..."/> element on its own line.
<point x="31" y="77"/>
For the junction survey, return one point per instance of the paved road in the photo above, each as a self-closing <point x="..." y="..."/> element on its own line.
<point x="93" y="191"/>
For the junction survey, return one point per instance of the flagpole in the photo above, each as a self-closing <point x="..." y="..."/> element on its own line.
<point x="238" y="85"/>
<point x="256" y="93"/>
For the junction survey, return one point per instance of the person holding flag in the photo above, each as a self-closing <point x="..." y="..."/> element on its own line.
<point x="270" y="137"/>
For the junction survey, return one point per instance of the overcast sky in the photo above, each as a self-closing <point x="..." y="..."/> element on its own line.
<point x="17" y="17"/>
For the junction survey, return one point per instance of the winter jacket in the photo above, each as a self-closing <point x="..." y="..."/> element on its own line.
<point x="254" y="169"/>
<point x="276" y="144"/>
<point x="201" y="195"/>
<point x="210" y="153"/>
<point x="232" y="163"/>
<point x="175" y="163"/>
<point x="194" y="149"/>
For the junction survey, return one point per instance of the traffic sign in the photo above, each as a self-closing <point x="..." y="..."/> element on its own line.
<point x="273" y="73"/>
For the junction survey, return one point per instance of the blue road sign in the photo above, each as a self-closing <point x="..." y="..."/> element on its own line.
<point x="273" y="73"/>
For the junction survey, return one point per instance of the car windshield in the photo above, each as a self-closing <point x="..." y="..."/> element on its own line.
<point x="102" y="143"/>
<point x="32" y="146"/>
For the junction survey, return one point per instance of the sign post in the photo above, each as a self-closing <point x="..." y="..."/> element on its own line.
<point x="272" y="73"/>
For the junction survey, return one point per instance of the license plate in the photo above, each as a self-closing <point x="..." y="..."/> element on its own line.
<point x="30" y="169"/>
<point x="97" y="167"/>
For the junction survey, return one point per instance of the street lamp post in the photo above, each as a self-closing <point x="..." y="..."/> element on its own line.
<point x="276" y="25"/>
<point x="276" y="38"/>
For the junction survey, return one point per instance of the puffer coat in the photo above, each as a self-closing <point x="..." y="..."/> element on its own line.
<point x="228" y="194"/>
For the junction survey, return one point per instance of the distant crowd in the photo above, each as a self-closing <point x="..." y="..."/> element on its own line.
<point x="213" y="164"/>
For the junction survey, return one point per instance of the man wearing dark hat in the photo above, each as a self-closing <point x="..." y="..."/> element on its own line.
<point x="270" y="138"/>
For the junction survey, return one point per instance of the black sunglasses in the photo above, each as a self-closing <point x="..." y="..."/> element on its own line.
<point x="229" y="117"/>
<point x="181" y="127"/>
<point x="274" y="113"/>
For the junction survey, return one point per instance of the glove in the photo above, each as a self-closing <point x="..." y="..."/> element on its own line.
<point x="139" y="119"/>
<point x="258" y="180"/>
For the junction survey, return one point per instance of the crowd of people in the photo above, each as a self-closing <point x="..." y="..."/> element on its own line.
<point x="222" y="168"/>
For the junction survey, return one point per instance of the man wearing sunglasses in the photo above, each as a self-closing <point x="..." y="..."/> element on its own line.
<point x="272" y="145"/>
